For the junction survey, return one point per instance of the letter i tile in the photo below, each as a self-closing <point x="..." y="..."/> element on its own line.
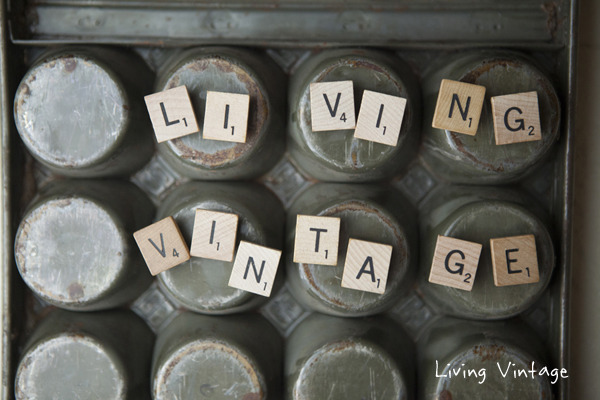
<point x="455" y="263"/>
<point x="254" y="268"/>
<point x="367" y="265"/>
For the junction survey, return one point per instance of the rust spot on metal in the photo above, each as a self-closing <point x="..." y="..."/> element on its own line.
<point x="252" y="396"/>
<point x="551" y="10"/>
<point x="487" y="65"/>
<point x="257" y="118"/>
<point x="75" y="291"/>
<point x="491" y="352"/>
<point x="445" y="395"/>
<point x="461" y="148"/>
<point x="70" y="64"/>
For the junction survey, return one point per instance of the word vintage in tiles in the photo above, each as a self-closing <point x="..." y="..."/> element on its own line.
<point x="516" y="118"/>
<point x="255" y="268"/>
<point x="317" y="240"/>
<point x="162" y="245"/>
<point x="366" y="266"/>
<point x="514" y="260"/>
<point x="380" y="118"/>
<point x="171" y="113"/>
<point x="226" y="117"/>
<point x="332" y="106"/>
<point x="458" y="107"/>
<point x="455" y="263"/>
<point x="214" y="235"/>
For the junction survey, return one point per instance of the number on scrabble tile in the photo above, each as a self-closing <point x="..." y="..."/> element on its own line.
<point x="455" y="263"/>
<point x="516" y="118"/>
<point x="458" y="107"/>
<point x="367" y="265"/>
<point x="226" y="117"/>
<point x="332" y="106"/>
<point x="162" y="245"/>
<point x="171" y="113"/>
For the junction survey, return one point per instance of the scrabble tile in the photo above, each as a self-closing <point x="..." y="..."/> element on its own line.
<point x="380" y="118"/>
<point x="514" y="260"/>
<point x="226" y="117"/>
<point x="171" y="113"/>
<point x="162" y="245"/>
<point x="455" y="263"/>
<point x="458" y="107"/>
<point x="516" y="118"/>
<point x="254" y="268"/>
<point x="317" y="240"/>
<point x="214" y="235"/>
<point x="366" y="266"/>
<point x="332" y="106"/>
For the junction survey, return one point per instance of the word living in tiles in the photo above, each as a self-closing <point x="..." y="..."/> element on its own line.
<point x="214" y="235"/>
<point x="162" y="245"/>
<point x="367" y="265"/>
<point x="455" y="263"/>
<point x="458" y="107"/>
<point x="380" y="118"/>
<point x="171" y="113"/>
<point x="332" y="106"/>
<point x="254" y="268"/>
<point x="516" y="118"/>
<point x="226" y="117"/>
<point x="317" y="240"/>
<point x="514" y="260"/>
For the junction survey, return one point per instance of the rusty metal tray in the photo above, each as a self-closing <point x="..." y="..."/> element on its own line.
<point x="418" y="30"/>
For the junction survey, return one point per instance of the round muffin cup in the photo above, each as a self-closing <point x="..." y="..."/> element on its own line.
<point x="341" y="358"/>
<point x="74" y="247"/>
<point x="80" y="112"/>
<point x="457" y="345"/>
<point x="478" y="214"/>
<point x="217" y="357"/>
<point x="73" y="355"/>
<point x="368" y="212"/>
<point x="336" y="156"/>
<point x="477" y="159"/>
<point x="228" y="70"/>
<point x="201" y="284"/>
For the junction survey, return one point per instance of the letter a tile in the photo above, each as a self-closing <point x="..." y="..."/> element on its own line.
<point x="254" y="268"/>
<point x="317" y="240"/>
<point x="162" y="245"/>
<point x="226" y="117"/>
<point x="332" y="106"/>
<point x="458" y="107"/>
<point x="367" y="265"/>
<point x="516" y="118"/>
<point x="455" y="263"/>
<point x="171" y="113"/>
<point x="514" y="260"/>
<point x="214" y="235"/>
<point x="380" y="118"/>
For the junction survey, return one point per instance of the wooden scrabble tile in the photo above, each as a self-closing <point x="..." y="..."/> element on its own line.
<point x="380" y="118"/>
<point x="214" y="235"/>
<point x="516" y="118"/>
<point x="366" y="266"/>
<point x="458" y="107"/>
<point x="171" y="113"/>
<point x="226" y="117"/>
<point x="455" y="263"/>
<point x="254" y="268"/>
<point x="162" y="245"/>
<point x="317" y="240"/>
<point x="332" y="106"/>
<point x="514" y="260"/>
